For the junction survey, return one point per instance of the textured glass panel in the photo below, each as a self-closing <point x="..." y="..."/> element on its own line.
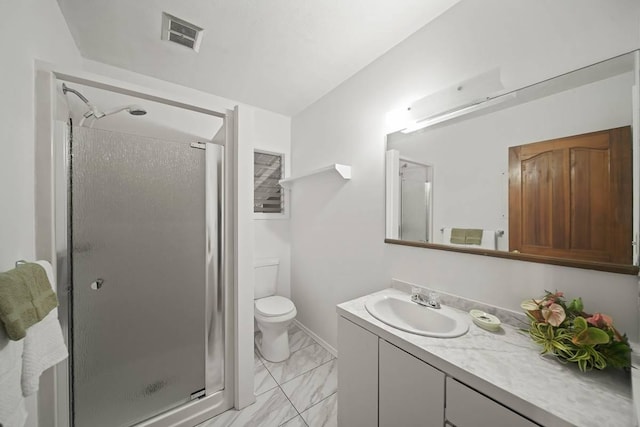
<point x="415" y="192"/>
<point x="138" y="223"/>
<point x="414" y="211"/>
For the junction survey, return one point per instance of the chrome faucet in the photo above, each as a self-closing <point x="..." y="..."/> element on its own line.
<point x="431" y="300"/>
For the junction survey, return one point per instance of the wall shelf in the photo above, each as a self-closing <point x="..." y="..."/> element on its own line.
<point x="343" y="170"/>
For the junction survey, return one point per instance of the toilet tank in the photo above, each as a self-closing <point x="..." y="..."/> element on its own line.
<point x="266" y="277"/>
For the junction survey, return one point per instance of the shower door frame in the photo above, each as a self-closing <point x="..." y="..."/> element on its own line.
<point x="53" y="242"/>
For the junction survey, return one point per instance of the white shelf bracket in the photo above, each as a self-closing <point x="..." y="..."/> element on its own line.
<point x="343" y="170"/>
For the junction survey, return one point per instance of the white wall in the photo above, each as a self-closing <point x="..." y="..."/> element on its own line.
<point x="338" y="228"/>
<point x="272" y="236"/>
<point x="43" y="35"/>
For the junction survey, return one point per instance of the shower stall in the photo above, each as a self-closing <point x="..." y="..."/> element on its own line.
<point x="140" y="242"/>
<point x="415" y="201"/>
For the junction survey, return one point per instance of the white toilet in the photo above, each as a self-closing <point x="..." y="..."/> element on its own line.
<point x="273" y="313"/>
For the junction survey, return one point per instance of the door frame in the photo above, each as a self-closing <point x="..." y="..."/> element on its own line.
<point x="51" y="237"/>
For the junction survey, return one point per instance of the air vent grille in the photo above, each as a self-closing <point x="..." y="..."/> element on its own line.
<point x="180" y="31"/>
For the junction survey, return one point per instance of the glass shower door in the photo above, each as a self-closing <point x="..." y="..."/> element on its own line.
<point x="415" y="201"/>
<point x="138" y="274"/>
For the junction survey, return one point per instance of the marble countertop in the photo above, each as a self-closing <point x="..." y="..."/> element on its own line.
<point x="507" y="366"/>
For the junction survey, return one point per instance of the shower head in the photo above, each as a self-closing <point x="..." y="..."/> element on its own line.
<point x="133" y="109"/>
<point x="93" y="111"/>
<point x="136" y="110"/>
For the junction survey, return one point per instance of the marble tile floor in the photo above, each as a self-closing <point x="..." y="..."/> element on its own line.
<point x="301" y="391"/>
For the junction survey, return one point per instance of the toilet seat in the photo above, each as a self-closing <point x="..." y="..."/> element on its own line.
<point x="273" y="306"/>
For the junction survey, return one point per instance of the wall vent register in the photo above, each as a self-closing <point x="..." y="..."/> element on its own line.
<point x="267" y="172"/>
<point x="180" y="31"/>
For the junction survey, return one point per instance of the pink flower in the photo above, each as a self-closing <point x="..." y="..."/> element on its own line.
<point x="551" y="298"/>
<point x="547" y="302"/>
<point x="554" y="314"/>
<point x="600" y="320"/>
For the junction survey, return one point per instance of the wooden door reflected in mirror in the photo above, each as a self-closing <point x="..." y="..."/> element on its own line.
<point x="572" y="197"/>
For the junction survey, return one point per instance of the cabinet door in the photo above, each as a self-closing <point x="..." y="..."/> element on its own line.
<point x="468" y="408"/>
<point x="357" y="375"/>
<point x="411" y="391"/>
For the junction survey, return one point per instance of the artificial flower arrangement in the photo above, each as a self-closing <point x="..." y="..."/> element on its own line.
<point x="565" y="330"/>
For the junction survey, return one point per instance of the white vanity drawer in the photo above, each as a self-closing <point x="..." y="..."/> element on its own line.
<point x="467" y="408"/>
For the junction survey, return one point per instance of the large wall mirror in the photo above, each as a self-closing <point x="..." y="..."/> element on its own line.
<point x="547" y="173"/>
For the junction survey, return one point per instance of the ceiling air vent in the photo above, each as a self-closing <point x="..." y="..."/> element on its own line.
<point x="181" y="32"/>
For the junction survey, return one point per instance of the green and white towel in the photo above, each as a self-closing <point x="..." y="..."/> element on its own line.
<point x="466" y="236"/>
<point x="26" y="297"/>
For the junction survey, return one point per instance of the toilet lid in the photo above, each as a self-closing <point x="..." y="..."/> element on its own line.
<point x="274" y="306"/>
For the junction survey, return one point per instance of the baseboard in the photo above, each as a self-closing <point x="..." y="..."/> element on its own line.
<point x="316" y="338"/>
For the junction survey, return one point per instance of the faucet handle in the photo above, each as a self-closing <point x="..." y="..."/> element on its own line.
<point x="417" y="296"/>
<point x="433" y="299"/>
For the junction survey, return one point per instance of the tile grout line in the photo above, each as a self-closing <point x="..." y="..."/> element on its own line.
<point x="280" y="387"/>
<point x="297" y="376"/>
<point x="281" y="391"/>
<point x="299" y="414"/>
<point x="293" y="406"/>
<point x="257" y="352"/>
<point x="266" y="391"/>
<point x="317" y="403"/>
<point x="306" y="409"/>
<point x="302" y="373"/>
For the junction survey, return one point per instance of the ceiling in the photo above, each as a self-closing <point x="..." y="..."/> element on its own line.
<point x="280" y="55"/>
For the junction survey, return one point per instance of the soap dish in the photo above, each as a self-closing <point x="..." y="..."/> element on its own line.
<point x="485" y="320"/>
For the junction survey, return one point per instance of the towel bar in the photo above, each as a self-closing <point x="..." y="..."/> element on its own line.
<point x="499" y="233"/>
<point x="20" y="261"/>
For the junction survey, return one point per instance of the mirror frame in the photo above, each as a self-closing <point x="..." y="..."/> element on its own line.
<point x="590" y="265"/>
<point x="565" y="262"/>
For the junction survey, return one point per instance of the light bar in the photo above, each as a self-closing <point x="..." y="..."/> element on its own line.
<point x="461" y="111"/>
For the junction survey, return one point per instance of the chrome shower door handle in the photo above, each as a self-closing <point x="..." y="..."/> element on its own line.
<point x="97" y="284"/>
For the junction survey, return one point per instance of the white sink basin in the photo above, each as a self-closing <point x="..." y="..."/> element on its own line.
<point x="404" y="314"/>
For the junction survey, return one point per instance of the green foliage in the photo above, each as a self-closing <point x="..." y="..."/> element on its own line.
<point x="576" y="306"/>
<point x="586" y="335"/>
<point x="590" y="341"/>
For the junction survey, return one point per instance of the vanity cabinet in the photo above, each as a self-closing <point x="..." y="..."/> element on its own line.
<point x="468" y="408"/>
<point x="357" y="375"/>
<point x="383" y="385"/>
<point x="411" y="392"/>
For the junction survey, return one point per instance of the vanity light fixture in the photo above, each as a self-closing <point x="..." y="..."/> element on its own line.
<point x="453" y="101"/>
<point x="457" y="112"/>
